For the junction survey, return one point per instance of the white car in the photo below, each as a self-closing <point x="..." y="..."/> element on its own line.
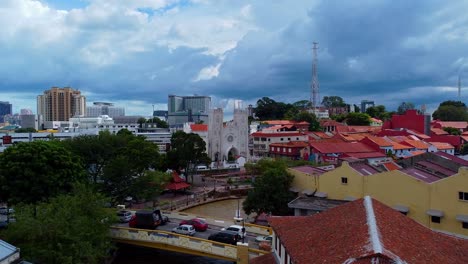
<point x="124" y="216"/>
<point x="6" y="211"/>
<point x="237" y="228"/>
<point x="187" y="230"/>
<point x="264" y="239"/>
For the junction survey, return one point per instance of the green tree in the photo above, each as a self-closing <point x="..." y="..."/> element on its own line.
<point x="187" y="151"/>
<point x="271" y="190"/>
<point x="333" y="101"/>
<point x="358" y="119"/>
<point x="464" y="149"/>
<point x="141" y="121"/>
<point x="270" y="109"/>
<point x="72" y="228"/>
<point x="25" y="130"/>
<point x="302" y="105"/>
<point x="403" y="107"/>
<point x="451" y="111"/>
<point x="378" y="112"/>
<point x="314" y="124"/>
<point x="452" y="131"/>
<point x="159" y="123"/>
<point x="151" y="184"/>
<point x="36" y="171"/>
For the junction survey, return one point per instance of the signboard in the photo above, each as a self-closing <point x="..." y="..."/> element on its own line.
<point x="7" y="140"/>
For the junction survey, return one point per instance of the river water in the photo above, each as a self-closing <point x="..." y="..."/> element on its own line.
<point x="225" y="209"/>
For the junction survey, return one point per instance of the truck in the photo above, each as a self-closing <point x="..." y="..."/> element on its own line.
<point x="146" y="219"/>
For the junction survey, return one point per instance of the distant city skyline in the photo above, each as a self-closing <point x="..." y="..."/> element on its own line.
<point x="135" y="53"/>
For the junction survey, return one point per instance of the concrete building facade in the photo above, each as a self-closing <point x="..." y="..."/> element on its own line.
<point x="59" y="104"/>
<point x="103" y="108"/>
<point x="183" y="109"/>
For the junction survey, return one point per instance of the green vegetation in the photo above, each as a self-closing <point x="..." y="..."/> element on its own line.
<point x="70" y="228"/>
<point x="271" y="189"/>
<point x="59" y="190"/>
<point x="452" y="131"/>
<point x="25" y="130"/>
<point x="358" y="119"/>
<point x="34" y="172"/>
<point x="187" y="151"/>
<point x="451" y="111"/>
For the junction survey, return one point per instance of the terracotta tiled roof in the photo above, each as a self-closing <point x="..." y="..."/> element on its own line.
<point x="416" y="143"/>
<point x="293" y="144"/>
<point x="264" y="259"/>
<point x="438" y="131"/>
<point x="397" y="146"/>
<point x="454" y="124"/>
<point x="362" y="231"/>
<point x="341" y="147"/>
<point x="276" y="134"/>
<point x="366" y="155"/>
<point x="380" y="141"/>
<point x="389" y="166"/>
<point x="442" y="145"/>
<point x="199" y="127"/>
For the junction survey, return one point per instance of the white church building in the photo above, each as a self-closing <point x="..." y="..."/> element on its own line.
<point x="228" y="141"/>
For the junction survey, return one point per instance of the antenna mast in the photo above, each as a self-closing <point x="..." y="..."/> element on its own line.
<point x="315" y="82"/>
<point x="459" y="88"/>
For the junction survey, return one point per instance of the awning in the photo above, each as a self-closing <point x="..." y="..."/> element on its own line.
<point x="433" y="212"/>
<point x="462" y="218"/>
<point x="307" y="192"/>
<point x="321" y="194"/>
<point x="350" y="198"/>
<point x="401" y="208"/>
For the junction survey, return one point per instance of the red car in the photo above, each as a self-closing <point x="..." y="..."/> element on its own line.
<point x="197" y="223"/>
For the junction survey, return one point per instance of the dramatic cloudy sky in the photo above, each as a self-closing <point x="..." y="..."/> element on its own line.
<point x="136" y="52"/>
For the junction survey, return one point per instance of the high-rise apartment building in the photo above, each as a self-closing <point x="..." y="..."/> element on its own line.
<point x="5" y="109"/>
<point x="103" y="108"/>
<point x="182" y="109"/>
<point x="59" y="104"/>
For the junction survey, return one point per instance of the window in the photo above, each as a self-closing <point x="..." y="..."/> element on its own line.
<point x="463" y="196"/>
<point x="289" y="139"/>
<point x="344" y="180"/>
<point x="435" y="219"/>
<point x="465" y="225"/>
<point x="281" y="139"/>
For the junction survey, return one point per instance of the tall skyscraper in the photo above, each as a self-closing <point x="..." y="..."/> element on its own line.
<point x="103" y="108"/>
<point x="5" y="109"/>
<point x="183" y="109"/>
<point x="59" y="104"/>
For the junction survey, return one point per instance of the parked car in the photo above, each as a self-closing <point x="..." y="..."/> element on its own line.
<point x="197" y="223"/>
<point x="5" y="211"/>
<point x="228" y="237"/>
<point x="237" y="228"/>
<point x="264" y="239"/>
<point x="184" y="230"/>
<point x="124" y="216"/>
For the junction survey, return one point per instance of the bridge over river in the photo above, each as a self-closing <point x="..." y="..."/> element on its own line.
<point x="166" y="240"/>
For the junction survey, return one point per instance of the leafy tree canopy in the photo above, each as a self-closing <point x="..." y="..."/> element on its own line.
<point x="268" y="109"/>
<point x="71" y="228"/>
<point x="302" y="104"/>
<point x="159" y="123"/>
<point x="314" y="124"/>
<point x="187" y="151"/>
<point x="452" y="130"/>
<point x="450" y="113"/>
<point x="358" y="119"/>
<point x="36" y="171"/>
<point x="271" y="190"/>
<point x="453" y="103"/>
<point x="25" y="130"/>
<point x="333" y="101"/>
<point x="403" y="107"/>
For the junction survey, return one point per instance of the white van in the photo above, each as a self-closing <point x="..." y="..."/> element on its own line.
<point x="202" y="167"/>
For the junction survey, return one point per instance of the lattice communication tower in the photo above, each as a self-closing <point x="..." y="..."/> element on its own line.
<point x="315" y="82"/>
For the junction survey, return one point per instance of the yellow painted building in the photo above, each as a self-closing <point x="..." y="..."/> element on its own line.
<point x="447" y="198"/>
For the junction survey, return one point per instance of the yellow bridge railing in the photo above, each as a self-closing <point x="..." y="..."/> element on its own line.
<point x="181" y="243"/>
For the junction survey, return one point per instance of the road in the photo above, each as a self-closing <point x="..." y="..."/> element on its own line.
<point x="212" y="229"/>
